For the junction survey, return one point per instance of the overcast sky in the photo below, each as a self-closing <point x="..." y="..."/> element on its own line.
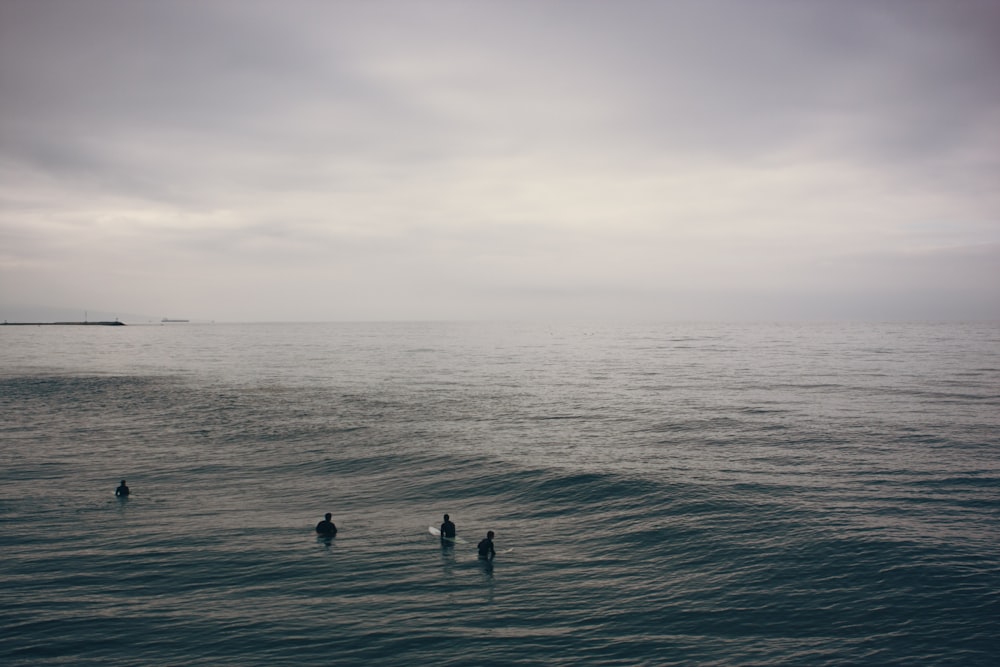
<point x="425" y="159"/>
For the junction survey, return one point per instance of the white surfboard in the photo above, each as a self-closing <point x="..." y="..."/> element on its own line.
<point x="437" y="533"/>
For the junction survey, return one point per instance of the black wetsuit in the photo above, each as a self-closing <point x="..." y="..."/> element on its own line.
<point x="122" y="491"/>
<point x="327" y="528"/>
<point x="447" y="530"/>
<point x="486" y="550"/>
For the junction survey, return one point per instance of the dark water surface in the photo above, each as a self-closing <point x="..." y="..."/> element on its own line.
<point x="662" y="494"/>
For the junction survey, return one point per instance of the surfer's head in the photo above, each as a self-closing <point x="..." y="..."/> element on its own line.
<point x="445" y="517"/>
<point x="489" y="534"/>
<point x="328" y="516"/>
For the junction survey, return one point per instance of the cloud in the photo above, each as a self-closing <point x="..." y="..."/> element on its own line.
<point x="318" y="160"/>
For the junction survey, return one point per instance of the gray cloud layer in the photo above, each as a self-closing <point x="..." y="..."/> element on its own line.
<point x="343" y="160"/>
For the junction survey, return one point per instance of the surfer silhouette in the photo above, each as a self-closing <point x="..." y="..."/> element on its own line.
<point x="122" y="491"/>
<point x="447" y="529"/>
<point x="486" y="550"/>
<point x="326" y="528"/>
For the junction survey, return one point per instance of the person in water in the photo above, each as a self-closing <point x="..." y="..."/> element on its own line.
<point x="326" y="527"/>
<point x="122" y="491"/>
<point x="447" y="529"/>
<point x="486" y="550"/>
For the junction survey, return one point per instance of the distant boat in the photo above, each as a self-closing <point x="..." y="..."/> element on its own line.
<point x="167" y="319"/>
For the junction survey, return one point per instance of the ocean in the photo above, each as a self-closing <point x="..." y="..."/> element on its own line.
<point x="661" y="494"/>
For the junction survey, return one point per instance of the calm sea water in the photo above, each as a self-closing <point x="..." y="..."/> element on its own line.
<point x="661" y="494"/>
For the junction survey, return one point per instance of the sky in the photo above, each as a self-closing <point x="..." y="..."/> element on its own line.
<point x="291" y="160"/>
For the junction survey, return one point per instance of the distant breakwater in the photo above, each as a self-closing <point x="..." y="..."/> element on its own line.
<point x="116" y="323"/>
